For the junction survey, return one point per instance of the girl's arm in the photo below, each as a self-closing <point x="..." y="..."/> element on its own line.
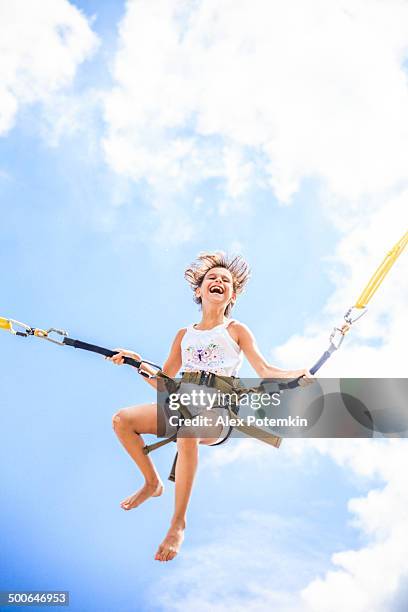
<point x="173" y="362"/>
<point x="171" y="366"/>
<point x="246" y="340"/>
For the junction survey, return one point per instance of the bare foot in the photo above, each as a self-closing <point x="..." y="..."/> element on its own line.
<point x="148" y="490"/>
<point x="171" y="544"/>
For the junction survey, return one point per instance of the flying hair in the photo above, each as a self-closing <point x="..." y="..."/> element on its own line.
<point x="205" y="261"/>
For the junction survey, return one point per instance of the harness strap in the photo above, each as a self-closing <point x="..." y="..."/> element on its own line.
<point x="249" y="430"/>
<point x="224" y="384"/>
<point x="151" y="447"/>
<point x="255" y="432"/>
<point x="227" y="385"/>
<point x="79" y="344"/>
<point x="172" y="475"/>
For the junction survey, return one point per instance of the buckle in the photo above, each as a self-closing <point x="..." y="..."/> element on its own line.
<point x="206" y="379"/>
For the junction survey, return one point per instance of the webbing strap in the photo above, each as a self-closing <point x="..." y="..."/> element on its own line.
<point x="151" y="447"/>
<point x="323" y="359"/>
<point x="255" y="432"/>
<point x="172" y="475"/>
<point x="79" y="344"/>
<point x="5" y="324"/>
<point x="248" y="430"/>
<point x="230" y="384"/>
<point x="379" y="275"/>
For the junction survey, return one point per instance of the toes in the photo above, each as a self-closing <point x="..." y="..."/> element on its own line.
<point x="128" y="503"/>
<point x="133" y="501"/>
<point x="170" y="553"/>
<point x="165" y="553"/>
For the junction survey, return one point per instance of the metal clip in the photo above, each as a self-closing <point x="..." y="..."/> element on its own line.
<point x="148" y="369"/>
<point x="13" y="327"/>
<point x="45" y="334"/>
<point x="206" y="379"/>
<point x="354" y="314"/>
<point x="12" y="323"/>
<point x="337" y="335"/>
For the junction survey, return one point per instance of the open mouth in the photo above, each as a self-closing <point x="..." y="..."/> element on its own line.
<point x="217" y="289"/>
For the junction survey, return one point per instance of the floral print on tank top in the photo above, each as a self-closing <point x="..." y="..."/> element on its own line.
<point x="204" y="357"/>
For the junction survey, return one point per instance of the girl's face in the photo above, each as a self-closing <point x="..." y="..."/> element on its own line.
<point x="217" y="287"/>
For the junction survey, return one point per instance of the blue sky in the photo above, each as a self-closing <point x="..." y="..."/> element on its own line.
<point x="109" y="188"/>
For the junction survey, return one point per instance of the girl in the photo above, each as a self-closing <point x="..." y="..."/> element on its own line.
<point x="216" y="344"/>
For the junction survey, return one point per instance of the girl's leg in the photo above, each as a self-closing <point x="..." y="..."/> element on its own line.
<point x="186" y="468"/>
<point x="128" y="424"/>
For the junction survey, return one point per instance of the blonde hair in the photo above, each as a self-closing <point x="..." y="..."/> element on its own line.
<point x="237" y="265"/>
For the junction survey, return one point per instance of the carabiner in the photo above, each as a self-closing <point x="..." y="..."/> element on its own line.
<point x="25" y="330"/>
<point x="148" y="369"/>
<point x="354" y="314"/>
<point x="45" y="334"/>
<point x="9" y="324"/>
<point x="337" y="335"/>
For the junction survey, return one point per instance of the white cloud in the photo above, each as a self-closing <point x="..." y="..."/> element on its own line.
<point x="375" y="347"/>
<point x="71" y="114"/>
<point x="42" y="44"/>
<point x="366" y="580"/>
<point x="247" y="566"/>
<point x="314" y="90"/>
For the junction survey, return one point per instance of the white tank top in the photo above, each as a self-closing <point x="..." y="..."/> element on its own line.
<point x="211" y="350"/>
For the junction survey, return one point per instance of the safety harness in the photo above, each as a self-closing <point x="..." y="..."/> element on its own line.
<point x="229" y="386"/>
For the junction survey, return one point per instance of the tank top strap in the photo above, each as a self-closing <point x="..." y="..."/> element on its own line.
<point x="228" y="323"/>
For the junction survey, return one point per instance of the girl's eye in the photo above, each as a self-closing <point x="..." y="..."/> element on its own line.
<point x="211" y="277"/>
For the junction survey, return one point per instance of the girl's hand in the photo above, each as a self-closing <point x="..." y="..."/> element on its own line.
<point x="306" y="377"/>
<point x="121" y="353"/>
